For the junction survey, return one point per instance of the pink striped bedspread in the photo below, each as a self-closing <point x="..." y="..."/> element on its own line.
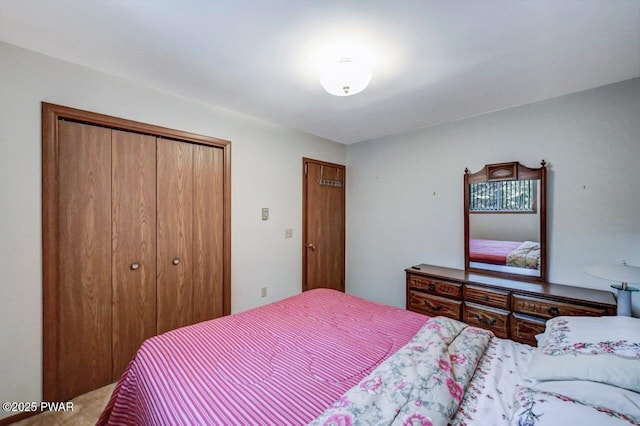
<point x="280" y="364"/>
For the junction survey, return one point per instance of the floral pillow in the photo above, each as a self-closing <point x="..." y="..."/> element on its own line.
<point x="599" y="349"/>
<point x="537" y="408"/>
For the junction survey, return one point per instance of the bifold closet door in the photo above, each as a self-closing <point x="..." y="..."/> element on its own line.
<point x="208" y="232"/>
<point x="136" y="241"/>
<point x="83" y="299"/>
<point x="133" y="208"/>
<point x="190" y="259"/>
<point x="174" y="233"/>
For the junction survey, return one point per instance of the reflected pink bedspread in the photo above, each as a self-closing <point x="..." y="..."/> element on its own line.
<point x="283" y="363"/>
<point x="494" y="252"/>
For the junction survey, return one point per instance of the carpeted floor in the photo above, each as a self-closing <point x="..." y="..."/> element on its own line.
<point x="86" y="410"/>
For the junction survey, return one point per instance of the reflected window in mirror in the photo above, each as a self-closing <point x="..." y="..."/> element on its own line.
<point x="510" y="196"/>
<point x="505" y="221"/>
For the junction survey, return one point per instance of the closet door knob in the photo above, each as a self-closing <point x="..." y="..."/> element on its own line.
<point x="175" y="261"/>
<point x="135" y="266"/>
<point x="312" y="247"/>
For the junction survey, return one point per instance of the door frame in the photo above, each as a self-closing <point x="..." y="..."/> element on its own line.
<point x="51" y="114"/>
<point x="306" y="160"/>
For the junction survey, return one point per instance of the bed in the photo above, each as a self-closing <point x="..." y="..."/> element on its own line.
<point x="328" y="358"/>
<point x="519" y="254"/>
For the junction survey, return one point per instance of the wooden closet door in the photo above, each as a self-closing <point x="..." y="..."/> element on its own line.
<point x="174" y="233"/>
<point x="84" y="260"/>
<point x="133" y="243"/>
<point x="208" y="233"/>
<point x="324" y="225"/>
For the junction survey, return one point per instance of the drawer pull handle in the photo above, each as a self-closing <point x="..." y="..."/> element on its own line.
<point x="492" y="321"/>
<point x="432" y="306"/>
<point x="135" y="266"/>
<point x="553" y="311"/>
<point x="432" y="286"/>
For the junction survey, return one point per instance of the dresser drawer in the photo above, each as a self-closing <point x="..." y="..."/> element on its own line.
<point x="434" y="305"/>
<point x="440" y="288"/>
<point x="549" y="308"/>
<point x="492" y="319"/>
<point x="525" y="328"/>
<point x="486" y="296"/>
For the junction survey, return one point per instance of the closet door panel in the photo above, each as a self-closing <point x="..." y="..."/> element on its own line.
<point x="174" y="233"/>
<point x="84" y="259"/>
<point x="324" y="226"/>
<point x="133" y="244"/>
<point x="208" y="233"/>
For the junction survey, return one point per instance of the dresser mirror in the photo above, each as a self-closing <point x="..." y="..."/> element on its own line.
<point x="505" y="221"/>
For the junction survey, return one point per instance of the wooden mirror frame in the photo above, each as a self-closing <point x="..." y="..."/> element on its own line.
<point x="509" y="171"/>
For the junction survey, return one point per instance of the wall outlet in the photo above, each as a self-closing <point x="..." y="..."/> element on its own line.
<point x="263" y="292"/>
<point x="288" y="233"/>
<point x="265" y="213"/>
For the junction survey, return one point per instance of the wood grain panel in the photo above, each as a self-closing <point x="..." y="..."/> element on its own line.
<point x="492" y="319"/>
<point x="208" y="233"/>
<point x="434" y="305"/>
<point x="441" y="288"/>
<point x="524" y="328"/>
<point x="133" y="242"/>
<point x="485" y="296"/>
<point x="84" y="288"/>
<point x="174" y="234"/>
<point x="552" y="308"/>
<point x="324" y="217"/>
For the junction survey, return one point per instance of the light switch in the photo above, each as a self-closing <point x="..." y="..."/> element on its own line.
<point x="288" y="233"/>
<point x="265" y="213"/>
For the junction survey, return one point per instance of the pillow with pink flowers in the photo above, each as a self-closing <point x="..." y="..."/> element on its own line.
<point x="599" y="349"/>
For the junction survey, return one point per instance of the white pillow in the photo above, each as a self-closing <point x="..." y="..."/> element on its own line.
<point x="595" y="394"/>
<point x="599" y="349"/>
<point x="539" y="408"/>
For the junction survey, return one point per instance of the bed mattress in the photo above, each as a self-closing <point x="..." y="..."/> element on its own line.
<point x="283" y="363"/>
<point x="330" y="358"/>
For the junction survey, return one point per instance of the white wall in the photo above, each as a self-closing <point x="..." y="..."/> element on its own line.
<point x="405" y="199"/>
<point x="266" y="172"/>
<point x="505" y="226"/>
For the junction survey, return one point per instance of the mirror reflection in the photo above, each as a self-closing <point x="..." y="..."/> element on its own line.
<point x="504" y="226"/>
<point x="505" y="221"/>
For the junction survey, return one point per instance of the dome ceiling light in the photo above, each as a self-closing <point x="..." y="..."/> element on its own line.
<point x="345" y="77"/>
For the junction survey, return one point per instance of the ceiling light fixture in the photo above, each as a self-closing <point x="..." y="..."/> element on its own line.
<point x="345" y="78"/>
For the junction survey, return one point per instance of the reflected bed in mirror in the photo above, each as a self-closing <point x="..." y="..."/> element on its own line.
<point x="505" y="221"/>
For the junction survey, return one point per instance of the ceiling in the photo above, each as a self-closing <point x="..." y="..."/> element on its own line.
<point x="432" y="61"/>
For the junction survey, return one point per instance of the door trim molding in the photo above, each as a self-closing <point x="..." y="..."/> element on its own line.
<point x="51" y="114"/>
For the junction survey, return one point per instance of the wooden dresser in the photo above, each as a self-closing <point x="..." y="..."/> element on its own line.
<point x="511" y="309"/>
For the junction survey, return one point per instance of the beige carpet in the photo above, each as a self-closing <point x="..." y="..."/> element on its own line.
<point x="86" y="410"/>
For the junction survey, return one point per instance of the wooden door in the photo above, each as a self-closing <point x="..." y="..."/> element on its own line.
<point x="208" y="233"/>
<point x="133" y="208"/>
<point x="323" y="259"/>
<point x="174" y="234"/>
<point x="82" y="354"/>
